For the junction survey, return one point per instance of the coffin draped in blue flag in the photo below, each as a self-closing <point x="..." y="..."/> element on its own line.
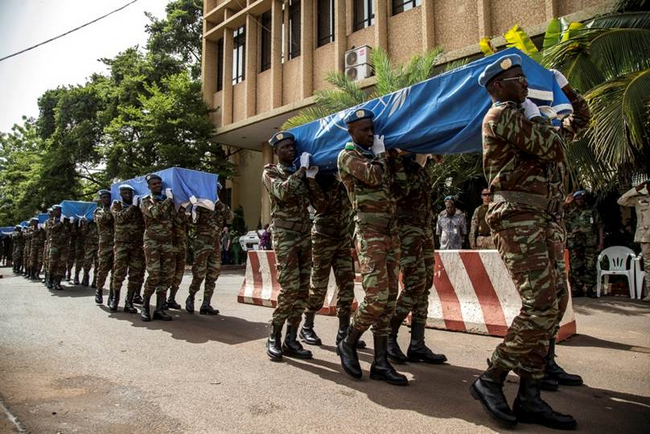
<point x="78" y="209"/>
<point x="188" y="186"/>
<point x="442" y="115"/>
<point x="6" y="231"/>
<point x="42" y="217"/>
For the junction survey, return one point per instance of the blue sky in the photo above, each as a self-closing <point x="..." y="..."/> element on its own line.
<point x="66" y="61"/>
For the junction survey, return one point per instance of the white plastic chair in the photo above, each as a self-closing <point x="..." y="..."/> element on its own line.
<point x="619" y="257"/>
<point x="639" y="275"/>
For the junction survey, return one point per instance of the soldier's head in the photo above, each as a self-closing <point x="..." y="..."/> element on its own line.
<point x="126" y="193"/>
<point x="361" y="127"/>
<point x="104" y="197"/>
<point x="580" y="198"/>
<point x="486" y="196"/>
<point x="154" y="182"/>
<point x="50" y="213"/>
<point x="284" y="146"/>
<point x="33" y="222"/>
<point x="56" y="211"/>
<point x="505" y="80"/>
<point x="450" y="205"/>
<point x="18" y="228"/>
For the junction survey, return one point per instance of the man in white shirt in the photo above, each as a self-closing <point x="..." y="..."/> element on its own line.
<point x="451" y="226"/>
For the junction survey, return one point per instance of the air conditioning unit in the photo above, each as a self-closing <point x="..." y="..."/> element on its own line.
<point x="357" y="56"/>
<point x="358" y="72"/>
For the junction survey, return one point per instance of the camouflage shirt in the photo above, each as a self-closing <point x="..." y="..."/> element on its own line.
<point x="18" y="239"/>
<point x="583" y="225"/>
<point x="105" y="225"/>
<point x="416" y="207"/>
<point x="38" y="237"/>
<point x="289" y="197"/>
<point x="210" y="223"/>
<point x="179" y="228"/>
<point x="332" y="206"/>
<point x="158" y="214"/>
<point x="91" y="233"/>
<point x="59" y="233"/>
<point x="129" y="224"/>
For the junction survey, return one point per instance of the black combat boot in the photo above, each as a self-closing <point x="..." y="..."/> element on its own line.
<point x="307" y="333"/>
<point x="145" y="315"/>
<point x="76" y="277"/>
<point x="85" y="279"/>
<point x="94" y="283"/>
<point x="27" y="273"/>
<point x="418" y="351"/>
<point x="171" y="301"/>
<point x="128" y="302"/>
<point x="347" y="351"/>
<point x="530" y="408"/>
<point x="68" y="276"/>
<point x="160" y="313"/>
<point x="99" y="296"/>
<point x="189" y="303"/>
<point x="57" y="283"/>
<point x="49" y="281"/>
<point x="555" y="372"/>
<point x="274" y="343"/>
<point x="110" y="297"/>
<point x="394" y="351"/>
<point x="36" y="275"/>
<point x="206" y="309"/>
<point x="488" y="388"/>
<point x="115" y="301"/>
<point x="344" y="324"/>
<point x="137" y="298"/>
<point x="381" y="368"/>
<point x="291" y="347"/>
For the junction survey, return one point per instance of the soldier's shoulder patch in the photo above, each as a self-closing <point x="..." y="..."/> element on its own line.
<point x="350" y="147"/>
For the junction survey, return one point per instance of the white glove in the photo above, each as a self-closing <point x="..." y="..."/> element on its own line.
<point x="168" y="193"/>
<point x="378" y="146"/>
<point x="548" y="112"/>
<point x="304" y="160"/>
<point x="136" y="200"/>
<point x="312" y="171"/>
<point x="559" y="78"/>
<point x="422" y="159"/>
<point x="193" y="200"/>
<point x="530" y="109"/>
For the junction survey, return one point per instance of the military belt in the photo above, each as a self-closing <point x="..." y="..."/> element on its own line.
<point x="292" y="226"/>
<point x="328" y="230"/>
<point x="534" y="200"/>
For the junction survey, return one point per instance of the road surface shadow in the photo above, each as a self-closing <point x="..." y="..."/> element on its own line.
<point x="441" y="391"/>
<point x="590" y="341"/>
<point x="71" y="290"/>
<point x="615" y="305"/>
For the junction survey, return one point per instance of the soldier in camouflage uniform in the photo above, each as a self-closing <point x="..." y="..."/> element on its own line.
<point x="18" y="239"/>
<point x="106" y="233"/>
<point x="80" y="251"/>
<point x="415" y="222"/>
<point x="207" y="254"/>
<point x="289" y="198"/>
<point x="72" y="249"/>
<point x="128" y="253"/>
<point x="480" y="237"/>
<point x="159" y="214"/>
<point x="371" y="179"/>
<point x="331" y="245"/>
<point x="38" y="243"/>
<point x="46" y="248"/>
<point x="91" y="245"/>
<point x="59" y="248"/>
<point x="27" y="253"/>
<point x="179" y="238"/>
<point x="585" y="235"/>
<point x="520" y="152"/>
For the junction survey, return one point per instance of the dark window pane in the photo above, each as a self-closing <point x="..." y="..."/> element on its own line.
<point x="404" y="5"/>
<point x="364" y="14"/>
<point x="220" y="64"/>
<point x="238" y="55"/>
<point x="325" y="22"/>
<point x="266" y="41"/>
<point x="294" y="29"/>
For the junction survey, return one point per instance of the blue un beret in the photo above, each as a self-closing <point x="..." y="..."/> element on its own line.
<point x="579" y="193"/>
<point x="55" y="207"/>
<point x="451" y="198"/>
<point x="280" y="136"/>
<point x="151" y="176"/>
<point x="359" y="114"/>
<point x="103" y="192"/>
<point x="126" y="187"/>
<point x="496" y="68"/>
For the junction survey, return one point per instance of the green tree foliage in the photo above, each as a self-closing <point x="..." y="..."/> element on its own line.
<point x="238" y="224"/>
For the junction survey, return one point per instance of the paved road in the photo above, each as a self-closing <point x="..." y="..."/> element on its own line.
<point x="67" y="365"/>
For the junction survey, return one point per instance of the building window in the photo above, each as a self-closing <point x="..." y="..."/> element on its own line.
<point x="400" y="6"/>
<point x="220" y="65"/>
<point x="325" y="22"/>
<point x="364" y="14"/>
<point x="266" y="41"/>
<point x="239" y="55"/>
<point x="294" y="29"/>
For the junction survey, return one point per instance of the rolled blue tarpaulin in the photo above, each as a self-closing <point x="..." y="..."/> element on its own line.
<point x="442" y="115"/>
<point x="6" y="231"/>
<point x="188" y="186"/>
<point x="77" y="209"/>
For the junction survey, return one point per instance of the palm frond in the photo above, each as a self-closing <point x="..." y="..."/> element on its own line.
<point x="345" y="85"/>
<point x="606" y="49"/>
<point x="638" y="20"/>
<point x="456" y="64"/>
<point x="574" y="60"/>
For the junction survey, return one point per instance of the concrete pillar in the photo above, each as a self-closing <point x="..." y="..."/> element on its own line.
<point x="484" y="26"/>
<point x="209" y="71"/>
<point x="340" y="33"/>
<point x="381" y="24"/>
<point x="551" y="7"/>
<point x="267" y="158"/>
<point x="307" y="48"/>
<point x="251" y="65"/>
<point x="428" y="26"/>
<point x="226" y="100"/>
<point x="276" y="54"/>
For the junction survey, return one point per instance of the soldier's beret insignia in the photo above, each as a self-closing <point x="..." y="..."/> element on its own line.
<point x="506" y="64"/>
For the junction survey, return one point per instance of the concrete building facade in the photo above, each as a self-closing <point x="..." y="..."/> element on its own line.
<point x="263" y="59"/>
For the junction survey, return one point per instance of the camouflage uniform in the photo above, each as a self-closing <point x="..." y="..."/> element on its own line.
<point x="38" y="243"/>
<point x="72" y="248"/>
<point x="27" y="253"/>
<point x="128" y="255"/>
<point x="370" y="183"/>
<point x="582" y="238"/>
<point x="158" y="213"/>
<point x="179" y="237"/>
<point x="207" y="247"/>
<point x="59" y="247"/>
<point x="91" y="246"/>
<point x="291" y="240"/>
<point x="480" y="237"/>
<point x="106" y="233"/>
<point x="46" y="248"/>
<point x="80" y="249"/>
<point x="18" y="239"/>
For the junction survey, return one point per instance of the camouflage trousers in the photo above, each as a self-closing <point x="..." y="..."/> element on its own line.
<point x="557" y="239"/>
<point x="331" y="252"/>
<point x="484" y="243"/>
<point x="46" y="257"/>
<point x="58" y="260"/>
<point x="293" y="263"/>
<point x="180" y="257"/>
<point x="416" y="264"/>
<point x="36" y="260"/>
<point x="91" y="258"/>
<point x="72" y="256"/>
<point x="206" y="265"/>
<point x="104" y="263"/>
<point x="582" y="262"/>
<point x="524" y="241"/>
<point x="159" y="256"/>
<point x="80" y="253"/>
<point x="127" y="258"/>
<point x="378" y="251"/>
<point x="17" y="256"/>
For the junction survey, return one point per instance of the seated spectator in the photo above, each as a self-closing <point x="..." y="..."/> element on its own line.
<point x="451" y="226"/>
<point x="480" y="236"/>
<point x="265" y="238"/>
